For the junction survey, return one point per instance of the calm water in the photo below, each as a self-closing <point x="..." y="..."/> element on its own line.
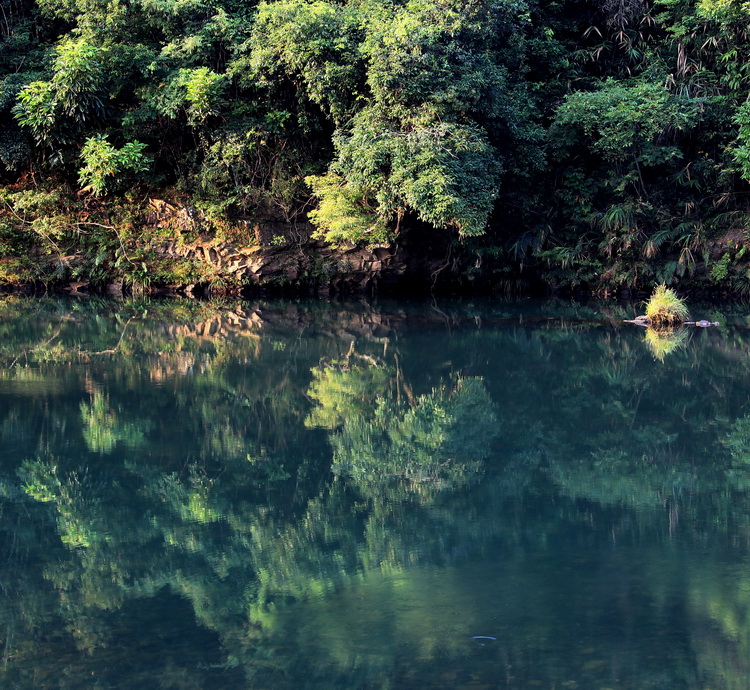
<point x="311" y="495"/>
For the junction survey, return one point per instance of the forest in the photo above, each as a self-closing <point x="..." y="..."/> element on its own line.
<point x="505" y="145"/>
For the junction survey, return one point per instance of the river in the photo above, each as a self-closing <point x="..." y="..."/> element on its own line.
<point x="427" y="494"/>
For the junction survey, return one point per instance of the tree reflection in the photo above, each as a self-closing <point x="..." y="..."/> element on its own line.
<point x="383" y="432"/>
<point x="266" y="493"/>
<point x="103" y="426"/>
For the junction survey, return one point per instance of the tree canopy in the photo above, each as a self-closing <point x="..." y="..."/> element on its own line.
<point x="597" y="143"/>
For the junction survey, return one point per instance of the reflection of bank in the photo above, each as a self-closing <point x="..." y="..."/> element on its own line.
<point x="194" y="509"/>
<point x="663" y="342"/>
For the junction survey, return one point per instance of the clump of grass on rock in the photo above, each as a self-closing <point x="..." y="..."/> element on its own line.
<point x="665" y="309"/>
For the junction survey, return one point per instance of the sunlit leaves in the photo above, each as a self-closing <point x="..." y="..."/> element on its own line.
<point x="104" y="164"/>
<point x="53" y="110"/>
<point x="344" y="212"/>
<point x="445" y="171"/>
<point x="36" y="109"/>
<point x="196" y="93"/>
<point x="311" y="43"/>
<point x="436" y="99"/>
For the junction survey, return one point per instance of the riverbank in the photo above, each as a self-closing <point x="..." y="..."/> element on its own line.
<point x="58" y="242"/>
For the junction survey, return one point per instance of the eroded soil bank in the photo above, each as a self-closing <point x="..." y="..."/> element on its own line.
<point x="170" y="248"/>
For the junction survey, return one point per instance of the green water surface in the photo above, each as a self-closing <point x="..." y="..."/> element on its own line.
<point x="498" y="494"/>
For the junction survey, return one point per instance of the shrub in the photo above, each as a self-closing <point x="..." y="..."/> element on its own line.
<point x="665" y="308"/>
<point x="104" y="164"/>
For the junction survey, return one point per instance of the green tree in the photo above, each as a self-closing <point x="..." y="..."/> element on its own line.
<point x="104" y="165"/>
<point x="431" y="126"/>
<point x="54" y="111"/>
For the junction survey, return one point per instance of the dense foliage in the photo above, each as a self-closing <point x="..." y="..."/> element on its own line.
<point x="585" y="142"/>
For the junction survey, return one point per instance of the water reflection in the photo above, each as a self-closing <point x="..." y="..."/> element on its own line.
<point x="302" y="495"/>
<point x="383" y="432"/>
<point x="663" y="342"/>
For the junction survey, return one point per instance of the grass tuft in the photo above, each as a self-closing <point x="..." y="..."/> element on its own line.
<point x="665" y="309"/>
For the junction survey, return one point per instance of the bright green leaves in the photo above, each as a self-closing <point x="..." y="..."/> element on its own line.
<point x="449" y="173"/>
<point x="314" y="44"/>
<point x="203" y="89"/>
<point x="345" y="213"/>
<point x="78" y="77"/>
<point x="439" y="96"/>
<point x="741" y="152"/>
<point x="198" y="92"/>
<point x="442" y="54"/>
<point x="104" y="165"/>
<point x="431" y="98"/>
<point x="723" y="10"/>
<point x="55" y="109"/>
<point x="421" y="105"/>
<point x="37" y="110"/>
<point x="192" y="96"/>
<point x="133" y="67"/>
<point x="446" y="173"/>
<point x="443" y="179"/>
